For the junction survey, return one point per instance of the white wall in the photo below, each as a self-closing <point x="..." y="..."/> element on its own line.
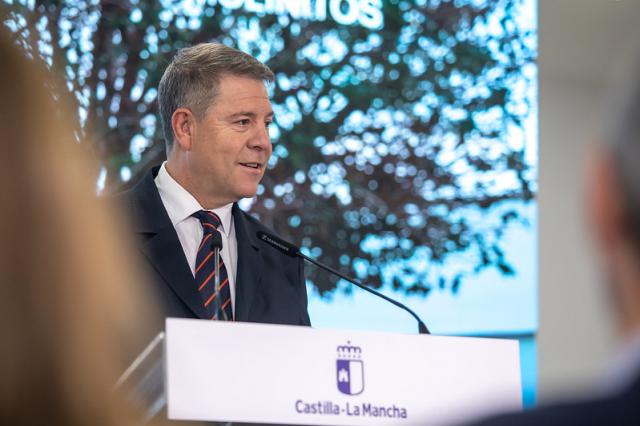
<point x="578" y="41"/>
<point x="575" y="336"/>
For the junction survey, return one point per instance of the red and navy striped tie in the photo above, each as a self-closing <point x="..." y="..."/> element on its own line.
<point x="205" y="271"/>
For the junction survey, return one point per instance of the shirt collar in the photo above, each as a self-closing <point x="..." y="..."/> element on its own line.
<point x="180" y="204"/>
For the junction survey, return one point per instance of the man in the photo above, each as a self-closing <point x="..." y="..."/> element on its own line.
<point x="215" y="114"/>
<point x="614" y="212"/>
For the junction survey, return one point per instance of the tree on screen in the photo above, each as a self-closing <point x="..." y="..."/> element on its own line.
<point x="387" y="140"/>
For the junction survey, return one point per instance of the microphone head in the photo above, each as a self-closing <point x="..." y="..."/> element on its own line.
<point x="282" y="245"/>
<point x="216" y="241"/>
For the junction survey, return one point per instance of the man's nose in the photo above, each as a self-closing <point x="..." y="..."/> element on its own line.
<point x="261" y="138"/>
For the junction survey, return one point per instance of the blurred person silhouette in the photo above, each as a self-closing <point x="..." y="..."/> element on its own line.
<point x="70" y="298"/>
<point x="612" y="184"/>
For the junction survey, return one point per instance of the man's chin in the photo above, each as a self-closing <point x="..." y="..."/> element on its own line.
<point x="243" y="188"/>
<point x="247" y="194"/>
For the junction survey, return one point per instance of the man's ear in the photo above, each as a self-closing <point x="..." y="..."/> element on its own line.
<point x="606" y="206"/>
<point x="183" y="123"/>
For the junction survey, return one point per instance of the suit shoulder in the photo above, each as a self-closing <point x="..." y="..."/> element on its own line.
<point x="256" y="224"/>
<point x="611" y="410"/>
<point x="249" y="226"/>
<point x="124" y="200"/>
<point x="141" y="203"/>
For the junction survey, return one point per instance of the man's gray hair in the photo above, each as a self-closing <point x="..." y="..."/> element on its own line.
<point x="191" y="79"/>
<point x="621" y="129"/>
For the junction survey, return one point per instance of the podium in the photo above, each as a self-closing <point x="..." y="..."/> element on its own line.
<point x="259" y="373"/>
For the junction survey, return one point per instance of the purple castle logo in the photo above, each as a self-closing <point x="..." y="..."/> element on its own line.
<point x="350" y="369"/>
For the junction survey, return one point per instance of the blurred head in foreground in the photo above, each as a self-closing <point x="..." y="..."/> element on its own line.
<point x="68" y="297"/>
<point x="612" y="187"/>
<point x="613" y="194"/>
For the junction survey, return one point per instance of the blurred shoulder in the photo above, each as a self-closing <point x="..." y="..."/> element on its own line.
<point x="621" y="409"/>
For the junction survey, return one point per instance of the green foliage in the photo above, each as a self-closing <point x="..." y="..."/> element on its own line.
<point x="386" y="135"/>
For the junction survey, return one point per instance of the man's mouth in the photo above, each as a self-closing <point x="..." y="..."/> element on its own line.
<point x="256" y="166"/>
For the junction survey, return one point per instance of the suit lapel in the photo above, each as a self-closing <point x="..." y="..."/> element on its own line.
<point x="161" y="245"/>
<point x="249" y="273"/>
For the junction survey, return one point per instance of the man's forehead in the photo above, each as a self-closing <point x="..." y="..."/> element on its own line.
<point x="241" y="86"/>
<point x="239" y="93"/>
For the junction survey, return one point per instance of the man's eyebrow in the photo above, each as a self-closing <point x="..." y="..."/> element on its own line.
<point x="250" y="114"/>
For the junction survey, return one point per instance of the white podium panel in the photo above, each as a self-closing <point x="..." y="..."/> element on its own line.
<point x="260" y="373"/>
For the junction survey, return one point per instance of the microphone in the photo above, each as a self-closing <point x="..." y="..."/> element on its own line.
<point x="216" y="241"/>
<point x="294" y="251"/>
<point x="216" y="245"/>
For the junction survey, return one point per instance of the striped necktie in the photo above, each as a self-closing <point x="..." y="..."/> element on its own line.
<point x="216" y="303"/>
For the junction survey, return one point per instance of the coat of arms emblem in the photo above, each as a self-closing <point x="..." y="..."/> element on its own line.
<point x="350" y="369"/>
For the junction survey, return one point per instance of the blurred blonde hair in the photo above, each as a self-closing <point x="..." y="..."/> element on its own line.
<point x="70" y="296"/>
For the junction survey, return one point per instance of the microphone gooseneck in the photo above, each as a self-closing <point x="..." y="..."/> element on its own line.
<point x="293" y="251"/>
<point x="282" y="245"/>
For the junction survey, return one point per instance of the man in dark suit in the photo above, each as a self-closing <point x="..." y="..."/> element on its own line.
<point x="215" y="114"/>
<point x="614" y="211"/>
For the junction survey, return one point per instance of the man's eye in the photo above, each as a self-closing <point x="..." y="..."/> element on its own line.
<point x="268" y="123"/>
<point x="243" y="122"/>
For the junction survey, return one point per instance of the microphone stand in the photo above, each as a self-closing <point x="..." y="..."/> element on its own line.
<point x="422" y="328"/>
<point x="216" y="243"/>
<point x="294" y="251"/>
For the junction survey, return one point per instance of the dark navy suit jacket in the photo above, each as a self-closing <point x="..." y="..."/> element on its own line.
<point x="622" y="408"/>
<point x="270" y="286"/>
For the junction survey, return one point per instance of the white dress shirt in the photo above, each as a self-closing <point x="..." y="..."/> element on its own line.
<point x="180" y="205"/>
